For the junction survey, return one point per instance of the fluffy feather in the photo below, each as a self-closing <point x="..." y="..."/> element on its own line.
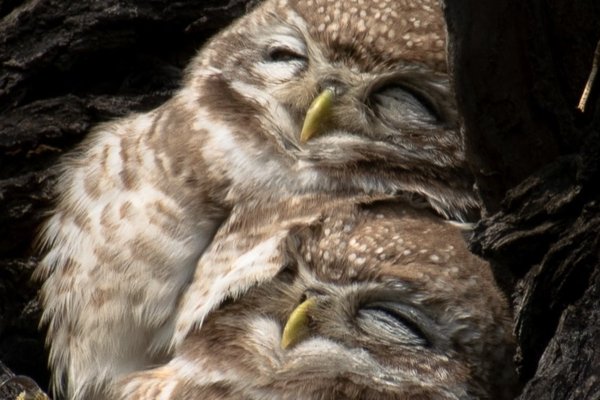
<point x="141" y="198"/>
<point x="453" y="339"/>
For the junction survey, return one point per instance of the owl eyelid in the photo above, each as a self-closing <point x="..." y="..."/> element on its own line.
<point x="418" y="95"/>
<point x="420" y="98"/>
<point x="406" y="316"/>
<point x="284" y="54"/>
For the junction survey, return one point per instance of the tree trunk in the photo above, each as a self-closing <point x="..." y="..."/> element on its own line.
<point x="519" y="68"/>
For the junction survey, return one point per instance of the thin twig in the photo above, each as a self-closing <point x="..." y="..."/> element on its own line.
<point x="590" y="81"/>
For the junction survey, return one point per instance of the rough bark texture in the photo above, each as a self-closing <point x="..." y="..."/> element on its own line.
<point x="519" y="68"/>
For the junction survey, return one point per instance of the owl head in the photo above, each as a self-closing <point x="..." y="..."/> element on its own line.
<point x="372" y="301"/>
<point x="337" y="96"/>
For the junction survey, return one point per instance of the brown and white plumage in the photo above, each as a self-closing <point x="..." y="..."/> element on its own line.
<point x="142" y="197"/>
<point x="400" y="310"/>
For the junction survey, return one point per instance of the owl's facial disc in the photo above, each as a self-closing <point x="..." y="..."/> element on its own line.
<point x="383" y="317"/>
<point x="325" y="95"/>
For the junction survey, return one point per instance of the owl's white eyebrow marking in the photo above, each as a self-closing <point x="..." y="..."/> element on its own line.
<point x="279" y="71"/>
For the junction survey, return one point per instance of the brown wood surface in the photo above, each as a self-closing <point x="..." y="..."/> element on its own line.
<point x="519" y="69"/>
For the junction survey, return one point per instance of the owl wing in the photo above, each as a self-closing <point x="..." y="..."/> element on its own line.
<point x="240" y="256"/>
<point x="121" y="247"/>
<point x="250" y="248"/>
<point x="178" y="380"/>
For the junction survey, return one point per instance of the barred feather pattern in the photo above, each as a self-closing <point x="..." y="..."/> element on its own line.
<point x="141" y="198"/>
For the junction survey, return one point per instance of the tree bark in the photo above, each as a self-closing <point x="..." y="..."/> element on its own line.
<point x="519" y="68"/>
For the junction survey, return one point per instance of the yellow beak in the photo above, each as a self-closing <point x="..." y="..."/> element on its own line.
<point x="318" y="112"/>
<point x="296" y="327"/>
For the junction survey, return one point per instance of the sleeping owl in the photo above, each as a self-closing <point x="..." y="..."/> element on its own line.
<point x="368" y="300"/>
<point x="297" y="98"/>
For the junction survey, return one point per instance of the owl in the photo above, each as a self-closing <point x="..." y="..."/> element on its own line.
<point x="297" y="98"/>
<point x="369" y="300"/>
